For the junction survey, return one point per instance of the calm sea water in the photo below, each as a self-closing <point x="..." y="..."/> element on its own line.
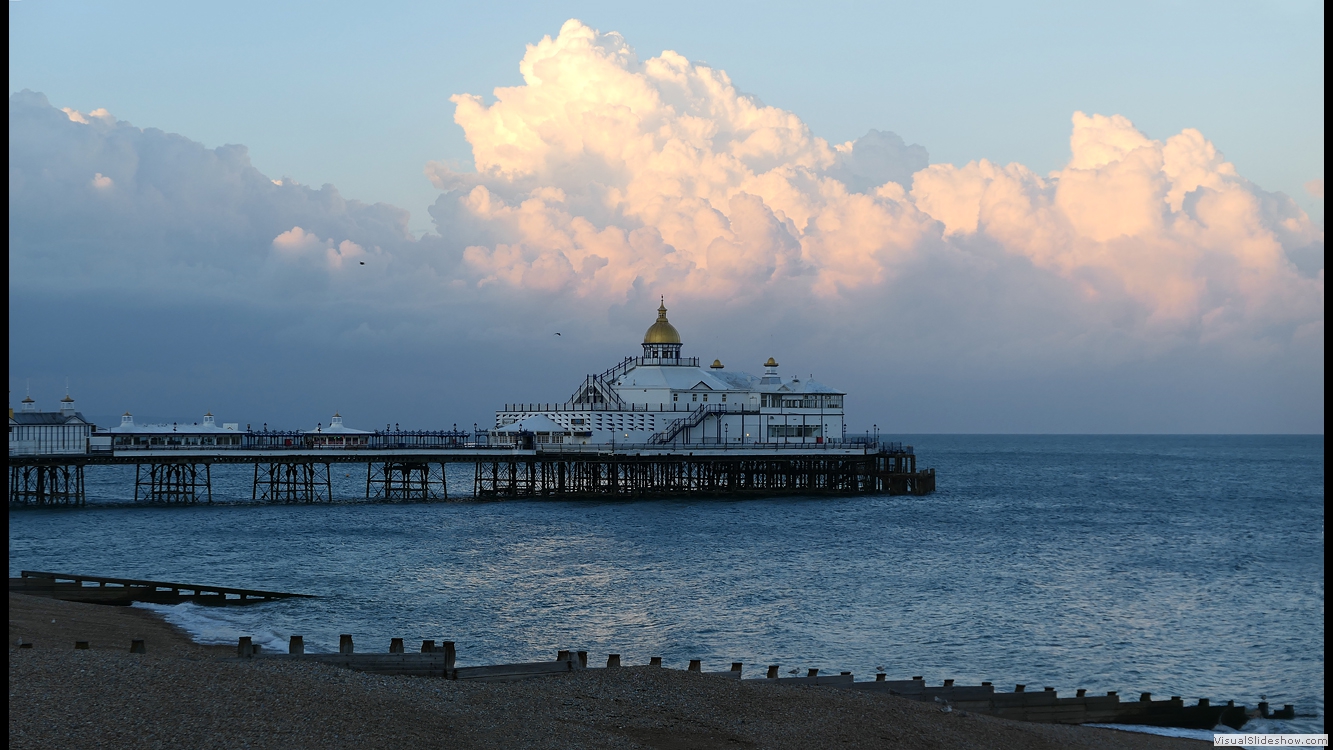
<point x="1182" y="565"/>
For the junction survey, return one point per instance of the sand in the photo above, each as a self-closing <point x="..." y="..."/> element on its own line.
<point x="181" y="694"/>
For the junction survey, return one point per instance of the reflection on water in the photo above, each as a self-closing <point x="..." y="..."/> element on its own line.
<point x="1187" y="566"/>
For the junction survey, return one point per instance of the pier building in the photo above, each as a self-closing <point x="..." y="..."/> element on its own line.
<point x="660" y="397"/>
<point x="336" y="435"/>
<point x="35" y="432"/>
<point x="128" y="435"/>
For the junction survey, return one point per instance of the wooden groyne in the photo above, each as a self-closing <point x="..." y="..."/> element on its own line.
<point x="1044" y="705"/>
<point x="124" y="591"/>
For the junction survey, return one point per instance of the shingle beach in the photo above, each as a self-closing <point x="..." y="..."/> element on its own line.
<point x="181" y="694"/>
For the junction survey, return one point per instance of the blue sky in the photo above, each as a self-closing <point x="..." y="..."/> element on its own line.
<point x="1033" y="218"/>
<point x="358" y="95"/>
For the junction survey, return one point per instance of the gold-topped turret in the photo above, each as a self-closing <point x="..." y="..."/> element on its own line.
<point x="771" y="362"/>
<point x="661" y="332"/>
<point x="717" y="364"/>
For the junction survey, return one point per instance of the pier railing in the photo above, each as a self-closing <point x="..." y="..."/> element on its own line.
<point x="714" y="444"/>
<point x="601" y="406"/>
<point x="615" y="446"/>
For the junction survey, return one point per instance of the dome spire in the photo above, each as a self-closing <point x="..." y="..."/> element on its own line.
<point x="662" y="340"/>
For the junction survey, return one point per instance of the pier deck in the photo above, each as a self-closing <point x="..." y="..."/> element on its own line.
<point x="183" y="475"/>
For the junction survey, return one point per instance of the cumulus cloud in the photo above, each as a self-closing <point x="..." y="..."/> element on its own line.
<point x="170" y="214"/>
<point x="604" y="173"/>
<point x="604" y="180"/>
<point x="296" y="244"/>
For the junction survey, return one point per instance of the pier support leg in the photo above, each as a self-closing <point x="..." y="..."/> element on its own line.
<point x="173" y="482"/>
<point x="46" y="485"/>
<point x="293" y="482"/>
<point x="405" y="481"/>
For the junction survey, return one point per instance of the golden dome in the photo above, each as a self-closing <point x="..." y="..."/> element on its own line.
<point x="771" y="362"/>
<point x="661" y="332"/>
<point x="717" y="364"/>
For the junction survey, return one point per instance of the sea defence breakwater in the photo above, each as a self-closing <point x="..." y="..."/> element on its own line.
<point x="440" y="660"/>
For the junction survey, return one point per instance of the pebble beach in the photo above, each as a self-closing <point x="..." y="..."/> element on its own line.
<point x="182" y="694"/>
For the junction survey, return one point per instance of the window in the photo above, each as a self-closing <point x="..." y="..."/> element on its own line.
<point x="705" y="398"/>
<point x="724" y="398"/>
<point x="793" y="430"/>
<point x="675" y="397"/>
<point x="694" y="397"/>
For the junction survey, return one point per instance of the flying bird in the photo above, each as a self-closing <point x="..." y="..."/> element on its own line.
<point x="362" y="262"/>
<point x="557" y="333"/>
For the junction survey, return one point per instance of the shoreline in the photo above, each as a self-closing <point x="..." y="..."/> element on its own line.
<point x="182" y="693"/>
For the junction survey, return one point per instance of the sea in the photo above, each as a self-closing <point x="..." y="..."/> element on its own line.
<point x="1176" y="565"/>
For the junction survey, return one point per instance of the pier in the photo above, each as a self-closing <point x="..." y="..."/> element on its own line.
<point x="287" y="473"/>
<point x="654" y="425"/>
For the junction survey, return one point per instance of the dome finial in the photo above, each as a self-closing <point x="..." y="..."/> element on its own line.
<point x="661" y="332"/>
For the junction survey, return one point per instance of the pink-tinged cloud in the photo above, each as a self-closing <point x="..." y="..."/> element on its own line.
<point x="298" y="245"/>
<point x="604" y="173"/>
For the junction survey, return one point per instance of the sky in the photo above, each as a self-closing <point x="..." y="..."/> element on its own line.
<point x="972" y="218"/>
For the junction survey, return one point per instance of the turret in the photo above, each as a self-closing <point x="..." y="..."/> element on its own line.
<point x="662" y="340"/>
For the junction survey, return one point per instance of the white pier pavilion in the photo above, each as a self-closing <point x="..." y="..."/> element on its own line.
<point x="663" y="398"/>
<point x="34" y="432"/>
<point x="129" y="436"/>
